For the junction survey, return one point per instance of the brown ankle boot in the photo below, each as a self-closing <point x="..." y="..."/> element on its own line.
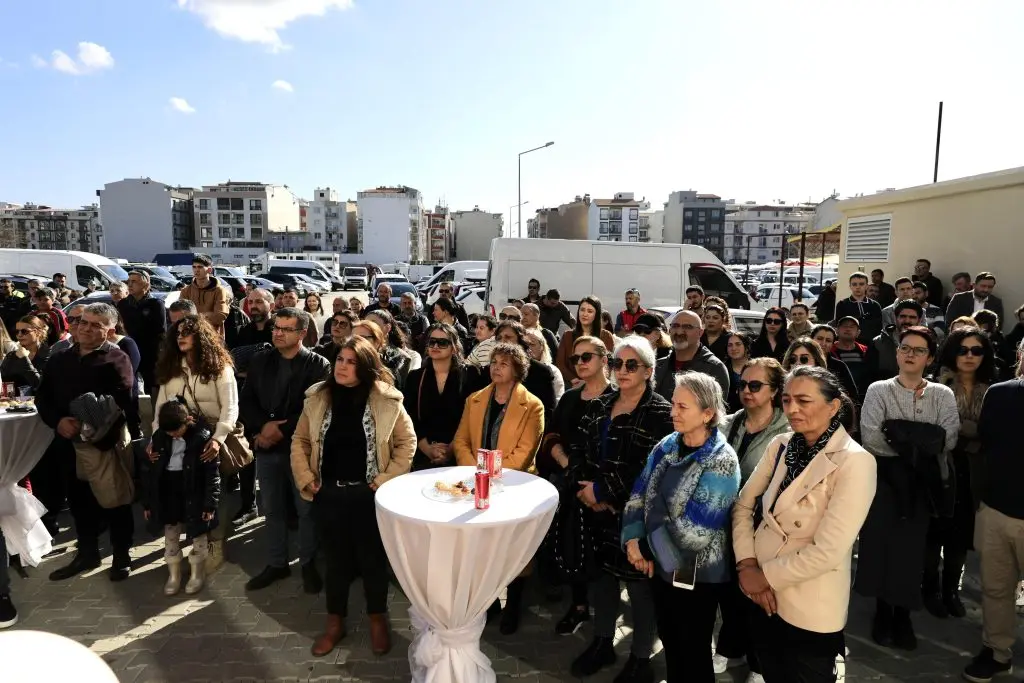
<point x="380" y="634"/>
<point x="331" y="636"/>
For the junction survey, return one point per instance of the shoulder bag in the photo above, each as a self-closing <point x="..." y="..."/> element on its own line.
<point x="235" y="452"/>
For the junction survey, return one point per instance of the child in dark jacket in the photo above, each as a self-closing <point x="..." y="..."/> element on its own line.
<point x="181" y="491"/>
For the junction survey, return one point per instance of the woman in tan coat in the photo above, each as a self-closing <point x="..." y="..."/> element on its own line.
<point x="353" y="435"/>
<point x="588" y="323"/>
<point x="794" y="525"/>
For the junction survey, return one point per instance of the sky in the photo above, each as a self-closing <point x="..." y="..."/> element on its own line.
<point x="748" y="99"/>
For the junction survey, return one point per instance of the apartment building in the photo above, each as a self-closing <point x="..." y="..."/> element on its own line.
<point x="389" y="222"/>
<point x="472" y="234"/>
<point x="695" y="218"/>
<point x="326" y="221"/>
<point x="564" y="222"/>
<point x="763" y="229"/>
<point x="143" y="217"/>
<point x="240" y="215"/>
<point x="437" y="239"/>
<point x="616" y="219"/>
<point x="34" y="226"/>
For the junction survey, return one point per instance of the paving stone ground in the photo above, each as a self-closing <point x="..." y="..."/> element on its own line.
<point x="226" y="635"/>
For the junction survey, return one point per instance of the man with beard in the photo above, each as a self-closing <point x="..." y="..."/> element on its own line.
<point x="145" y="321"/>
<point x="289" y="298"/>
<point x="415" y="323"/>
<point x="260" y="304"/>
<point x="932" y="317"/>
<point x="383" y="302"/>
<point x="688" y="354"/>
<point x="695" y="299"/>
<point x="530" y="319"/>
<point x="962" y="282"/>
<point x="904" y="290"/>
<point x="881" y="359"/>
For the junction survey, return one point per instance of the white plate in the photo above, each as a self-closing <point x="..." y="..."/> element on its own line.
<point x="438" y="496"/>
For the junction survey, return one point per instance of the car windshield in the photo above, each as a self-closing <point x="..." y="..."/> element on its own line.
<point x="355" y="272"/>
<point x="400" y="288"/>
<point x="115" y="272"/>
<point x="160" y="270"/>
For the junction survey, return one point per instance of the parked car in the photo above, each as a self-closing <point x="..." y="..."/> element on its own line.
<point x="314" y="285"/>
<point x="102" y="297"/>
<point x="397" y="290"/>
<point x="168" y="280"/>
<point x="302" y="288"/>
<point x="388" y="278"/>
<point x="20" y="280"/>
<point x="742" y="319"/>
<point x="473" y="298"/>
<point x="769" y="294"/>
<point x="355" y="277"/>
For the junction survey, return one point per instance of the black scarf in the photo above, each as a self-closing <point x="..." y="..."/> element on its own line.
<point x="799" y="455"/>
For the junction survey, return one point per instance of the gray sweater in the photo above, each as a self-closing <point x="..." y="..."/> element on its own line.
<point x="889" y="400"/>
<point x="756" y="449"/>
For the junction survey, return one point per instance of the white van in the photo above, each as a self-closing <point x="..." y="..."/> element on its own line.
<point x="81" y="267"/>
<point x="311" y="269"/>
<point x="451" y="272"/>
<point x="577" y="268"/>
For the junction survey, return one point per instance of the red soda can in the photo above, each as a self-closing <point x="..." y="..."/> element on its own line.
<point x="482" y="460"/>
<point x="482" y="491"/>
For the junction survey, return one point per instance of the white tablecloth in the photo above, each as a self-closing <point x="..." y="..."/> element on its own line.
<point x="453" y="560"/>
<point x="23" y="440"/>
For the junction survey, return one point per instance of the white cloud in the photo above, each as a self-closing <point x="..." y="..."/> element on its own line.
<point x="258" y="21"/>
<point x="38" y="62"/>
<point x="182" y="105"/>
<point x="283" y="85"/>
<point x="91" y="58"/>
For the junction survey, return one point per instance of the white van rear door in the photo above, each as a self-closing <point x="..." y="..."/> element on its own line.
<point x="653" y="270"/>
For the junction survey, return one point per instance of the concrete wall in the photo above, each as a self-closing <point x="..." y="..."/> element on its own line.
<point x="136" y="218"/>
<point x="969" y="224"/>
<point x="386" y="222"/>
<point x="474" y="231"/>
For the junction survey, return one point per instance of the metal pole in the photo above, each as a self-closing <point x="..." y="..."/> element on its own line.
<point x="803" y="253"/>
<point x="938" y="141"/>
<point x="519" y="199"/>
<point x="746" y="275"/>
<point x="821" y="274"/>
<point x="782" y="270"/>
<point x="509" y="221"/>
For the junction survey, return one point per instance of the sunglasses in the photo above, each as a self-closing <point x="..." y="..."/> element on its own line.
<point x="631" y="365"/>
<point x="509" y="316"/>
<point x="975" y="351"/>
<point x="772" y="321"/>
<point x="753" y="385"/>
<point x="642" y="329"/>
<point x="802" y="360"/>
<point x="586" y="357"/>
<point x="439" y="343"/>
<point x="22" y="333"/>
<point x="74" y="319"/>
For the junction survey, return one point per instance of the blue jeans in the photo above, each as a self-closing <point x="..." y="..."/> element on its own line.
<point x="5" y="576"/>
<point x="274" y="471"/>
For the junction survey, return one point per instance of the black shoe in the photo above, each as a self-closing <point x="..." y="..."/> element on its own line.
<point x="494" y="611"/>
<point x="311" y="581"/>
<point x="636" y="671"/>
<point x="80" y="563"/>
<point x="903" y="636"/>
<point x="984" y="667"/>
<point x="599" y="654"/>
<point x="8" y="613"/>
<point x="935" y="605"/>
<point x="121" y="566"/>
<point x="881" y="628"/>
<point x="572" y="621"/>
<point x="268" y="576"/>
<point x="244" y="516"/>
<point x="954" y="606"/>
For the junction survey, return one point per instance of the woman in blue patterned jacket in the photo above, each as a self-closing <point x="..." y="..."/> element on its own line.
<point x="676" y="526"/>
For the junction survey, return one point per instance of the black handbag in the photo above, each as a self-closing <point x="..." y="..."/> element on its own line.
<point x="922" y="447"/>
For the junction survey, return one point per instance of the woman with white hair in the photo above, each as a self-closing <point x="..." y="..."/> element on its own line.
<point x="676" y="525"/>
<point x="620" y="428"/>
<point x="539" y="351"/>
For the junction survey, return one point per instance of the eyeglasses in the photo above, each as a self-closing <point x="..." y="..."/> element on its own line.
<point x="631" y="365"/>
<point x="586" y="357"/>
<point x="772" y="321"/>
<point x="23" y="333"/>
<point x="975" y="351"/>
<point x="286" y="330"/>
<point x="907" y="349"/>
<point x="642" y="329"/>
<point x="802" y="360"/>
<point x="753" y="386"/>
<point x="439" y="342"/>
<point x="74" y="319"/>
<point x="509" y="316"/>
<point x="186" y="332"/>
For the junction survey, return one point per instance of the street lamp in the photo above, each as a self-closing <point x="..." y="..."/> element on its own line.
<point x="520" y="196"/>
<point x="520" y="204"/>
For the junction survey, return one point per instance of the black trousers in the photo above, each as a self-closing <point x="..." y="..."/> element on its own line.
<point x="247" y="485"/>
<point x="734" y="636"/>
<point x="91" y="520"/>
<point x="949" y="538"/>
<point x="686" y="622"/>
<point x="352" y="546"/>
<point x="51" y="478"/>
<point x="788" y="654"/>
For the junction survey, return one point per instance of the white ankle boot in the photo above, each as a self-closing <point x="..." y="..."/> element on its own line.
<point x="198" y="577"/>
<point x="173" y="584"/>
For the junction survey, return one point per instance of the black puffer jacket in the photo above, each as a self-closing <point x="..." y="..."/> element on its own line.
<point x="201" y="482"/>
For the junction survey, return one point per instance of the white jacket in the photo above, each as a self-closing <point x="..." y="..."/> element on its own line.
<point x="218" y="399"/>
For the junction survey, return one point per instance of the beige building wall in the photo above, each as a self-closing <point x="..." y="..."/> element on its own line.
<point x="968" y="224"/>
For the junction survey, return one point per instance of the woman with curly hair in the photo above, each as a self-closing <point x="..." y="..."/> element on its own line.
<point x="717" y="326"/>
<point x="314" y="305"/>
<point x="195" y="365"/>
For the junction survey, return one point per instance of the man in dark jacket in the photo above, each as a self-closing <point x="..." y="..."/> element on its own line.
<point x="1000" y="525"/>
<point x="867" y="311"/>
<point x="886" y="292"/>
<point x="383" y="302"/>
<point x="415" y="322"/>
<point x="689" y="354"/>
<point x="447" y="291"/>
<point x="270" y="407"/>
<point x="881" y="358"/>
<point x="145" y="321"/>
<point x="92" y="365"/>
<point x="13" y="305"/>
<point x="923" y="273"/>
<point x="553" y="312"/>
<point x="825" y="307"/>
<point x="980" y="298"/>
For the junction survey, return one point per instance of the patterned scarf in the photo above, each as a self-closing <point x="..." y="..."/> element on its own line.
<point x="799" y="455"/>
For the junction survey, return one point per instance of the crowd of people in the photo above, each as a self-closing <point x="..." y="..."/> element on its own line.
<point x="706" y="471"/>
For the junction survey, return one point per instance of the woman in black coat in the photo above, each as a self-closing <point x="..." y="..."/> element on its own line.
<point x="773" y="340"/>
<point x="24" y="365"/>
<point x="435" y="395"/>
<point x="181" y="491"/>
